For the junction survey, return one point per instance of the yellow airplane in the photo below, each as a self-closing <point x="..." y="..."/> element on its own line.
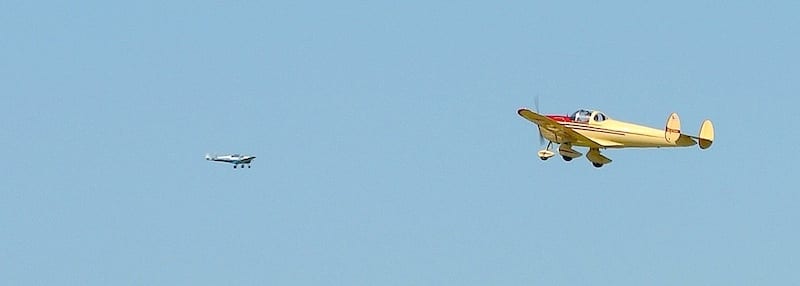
<point x="593" y="129"/>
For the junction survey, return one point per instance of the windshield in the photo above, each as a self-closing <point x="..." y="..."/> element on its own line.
<point x="581" y="116"/>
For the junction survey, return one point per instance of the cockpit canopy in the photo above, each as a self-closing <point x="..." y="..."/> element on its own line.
<point x="236" y="155"/>
<point x="584" y="116"/>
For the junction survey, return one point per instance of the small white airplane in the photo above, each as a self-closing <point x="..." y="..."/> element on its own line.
<point x="593" y="129"/>
<point x="235" y="159"/>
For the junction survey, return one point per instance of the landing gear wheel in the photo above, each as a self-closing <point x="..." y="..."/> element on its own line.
<point x="248" y="166"/>
<point x="567" y="158"/>
<point x="234" y="166"/>
<point x="544" y="158"/>
<point x="597" y="165"/>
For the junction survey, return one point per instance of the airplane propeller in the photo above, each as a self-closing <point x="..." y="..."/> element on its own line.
<point x="536" y="108"/>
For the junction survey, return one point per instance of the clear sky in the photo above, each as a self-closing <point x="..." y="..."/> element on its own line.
<point x="389" y="148"/>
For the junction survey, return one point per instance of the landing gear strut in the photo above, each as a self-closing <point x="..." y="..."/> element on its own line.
<point x="596" y="158"/>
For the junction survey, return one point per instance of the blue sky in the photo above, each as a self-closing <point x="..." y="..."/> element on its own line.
<point x="389" y="148"/>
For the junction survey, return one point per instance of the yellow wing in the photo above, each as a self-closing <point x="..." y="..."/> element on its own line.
<point x="560" y="133"/>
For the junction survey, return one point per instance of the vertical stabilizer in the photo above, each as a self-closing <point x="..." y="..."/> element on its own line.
<point x="673" y="130"/>
<point x="706" y="134"/>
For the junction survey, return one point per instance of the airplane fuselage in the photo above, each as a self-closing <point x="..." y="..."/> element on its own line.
<point x="617" y="134"/>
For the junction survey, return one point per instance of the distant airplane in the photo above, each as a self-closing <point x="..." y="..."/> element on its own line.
<point x="235" y="159"/>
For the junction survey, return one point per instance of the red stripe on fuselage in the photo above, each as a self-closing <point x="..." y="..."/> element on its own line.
<point x="560" y="118"/>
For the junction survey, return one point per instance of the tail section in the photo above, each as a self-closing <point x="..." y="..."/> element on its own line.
<point x="706" y="136"/>
<point x="673" y="130"/>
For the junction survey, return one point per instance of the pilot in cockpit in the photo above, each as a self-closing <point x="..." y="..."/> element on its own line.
<point x="581" y="116"/>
